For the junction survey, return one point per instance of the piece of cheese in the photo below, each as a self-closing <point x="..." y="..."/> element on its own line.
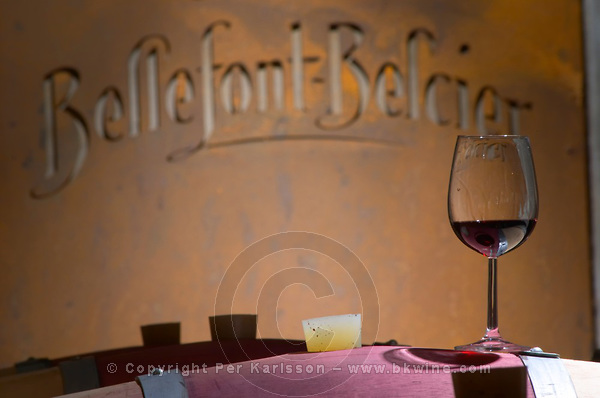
<point x="330" y="333"/>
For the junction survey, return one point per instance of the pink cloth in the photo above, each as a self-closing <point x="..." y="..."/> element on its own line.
<point x="369" y="371"/>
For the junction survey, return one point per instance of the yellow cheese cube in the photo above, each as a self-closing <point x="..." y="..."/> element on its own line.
<point x="330" y="333"/>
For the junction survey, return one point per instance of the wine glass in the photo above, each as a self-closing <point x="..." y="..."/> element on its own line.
<point x="493" y="208"/>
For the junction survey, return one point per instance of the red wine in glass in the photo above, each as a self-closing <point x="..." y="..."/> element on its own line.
<point x="493" y="208"/>
<point x="493" y="238"/>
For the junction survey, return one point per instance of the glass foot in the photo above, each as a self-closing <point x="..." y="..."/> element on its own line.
<point x="490" y="344"/>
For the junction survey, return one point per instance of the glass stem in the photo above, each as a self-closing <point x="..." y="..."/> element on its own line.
<point x="492" y="312"/>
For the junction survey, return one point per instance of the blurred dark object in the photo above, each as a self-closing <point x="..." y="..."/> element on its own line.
<point x="492" y="383"/>
<point x="33" y="364"/>
<point x="79" y="375"/>
<point x="391" y="342"/>
<point x="233" y="326"/>
<point x="160" y="334"/>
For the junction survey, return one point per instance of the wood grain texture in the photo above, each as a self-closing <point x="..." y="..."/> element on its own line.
<point x="585" y="377"/>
